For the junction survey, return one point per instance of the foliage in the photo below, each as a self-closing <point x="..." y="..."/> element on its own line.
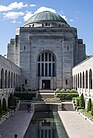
<point x="89" y="105"/>
<point x="79" y="107"/>
<point x="4" y="108"/>
<point x="73" y="99"/>
<point x="25" y="96"/>
<point x="12" y="101"/>
<point x="52" y="99"/>
<point x="88" y="114"/>
<point x="81" y="101"/>
<point x="15" y="100"/>
<point x="92" y="109"/>
<point x="66" y="96"/>
<point x="65" y="91"/>
<point x="77" y="101"/>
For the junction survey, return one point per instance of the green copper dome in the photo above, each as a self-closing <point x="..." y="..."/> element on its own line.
<point x="45" y="16"/>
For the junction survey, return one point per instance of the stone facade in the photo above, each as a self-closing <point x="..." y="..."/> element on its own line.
<point x="49" y="38"/>
<point x="9" y="78"/>
<point x="83" y="78"/>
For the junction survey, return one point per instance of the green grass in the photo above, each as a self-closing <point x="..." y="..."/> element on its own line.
<point x="88" y="114"/>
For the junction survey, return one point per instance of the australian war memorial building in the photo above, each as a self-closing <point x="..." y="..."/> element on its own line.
<point x="46" y="48"/>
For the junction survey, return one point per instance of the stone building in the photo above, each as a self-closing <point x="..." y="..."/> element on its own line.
<point x="83" y="78"/>
<point x="46" y="48"/>
<point x="9" y="78"/>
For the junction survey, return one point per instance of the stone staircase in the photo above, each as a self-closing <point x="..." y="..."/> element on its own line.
<point x="46" y="94"/>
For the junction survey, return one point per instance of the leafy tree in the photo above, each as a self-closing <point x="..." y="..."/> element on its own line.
<point x="92" y="109"/>
<point x="11" y="101"/>
<point x="89" y="105"/>
<point x="81" y="101"/>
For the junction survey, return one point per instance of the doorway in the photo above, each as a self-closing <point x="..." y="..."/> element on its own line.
<point x="45" y="84"/>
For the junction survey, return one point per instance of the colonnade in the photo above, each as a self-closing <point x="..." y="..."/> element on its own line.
<point x="83" y="80"/>
<point x="8" y="79"/>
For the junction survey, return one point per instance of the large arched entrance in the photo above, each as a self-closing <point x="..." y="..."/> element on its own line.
<point x="46" y="69"/>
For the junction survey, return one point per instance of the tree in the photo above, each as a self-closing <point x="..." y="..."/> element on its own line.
<point x="92" y="109"/>
<point x="11" y="101"/>
<point x="81" y="101"/>
<point x="89" y="105"/>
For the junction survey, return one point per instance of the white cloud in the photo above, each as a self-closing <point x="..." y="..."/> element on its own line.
<point x="14" y="5"/>
<point x="41" y="9"/>
<point x="27" y="15"/>
<point x="13" y="15"/>
<point x="32" y="5"/>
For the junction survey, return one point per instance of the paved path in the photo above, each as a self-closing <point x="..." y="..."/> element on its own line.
<point x="75" y="125"/>
<point x="16" y="124"/>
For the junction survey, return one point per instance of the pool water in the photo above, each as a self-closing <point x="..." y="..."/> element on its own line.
<point x="46" y="125"/>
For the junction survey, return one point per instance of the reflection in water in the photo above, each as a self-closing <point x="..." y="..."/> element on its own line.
<point x="46" y="125"/>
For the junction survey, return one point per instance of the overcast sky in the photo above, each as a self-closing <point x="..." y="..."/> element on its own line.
<point x="14" y="14"/>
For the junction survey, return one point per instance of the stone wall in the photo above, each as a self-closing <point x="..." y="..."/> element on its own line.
<point x="83" y="78"/>
<point x="9" y="78"/>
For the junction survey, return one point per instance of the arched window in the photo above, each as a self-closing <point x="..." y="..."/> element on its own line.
<point x="74" y="79"/>
<point x="2" y="79"/>
<point x="90" y="79"/>
<point x="14" y="79"/>
<point x="46" y="64"/>
<point x="5" y="78"/>
<point x="78" y="80"/>
<point x="9" y="79"/>
<point x="83" y="80"/>
<point x="86" y="79"/>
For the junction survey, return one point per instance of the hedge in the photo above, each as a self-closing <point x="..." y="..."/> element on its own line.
<point x="25" y="96"/>
<point x="65" y="91"/>
<point x="66" y="96"/>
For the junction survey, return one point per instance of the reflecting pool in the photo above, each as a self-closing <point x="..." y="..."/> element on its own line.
<point x="46" y="125"/>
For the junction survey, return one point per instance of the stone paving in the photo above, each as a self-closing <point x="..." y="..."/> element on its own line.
<point x="16" y="124"/>
<point x="75" y="125"/>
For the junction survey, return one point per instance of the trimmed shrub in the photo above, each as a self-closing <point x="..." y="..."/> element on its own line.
<point x="81" y="101"/>
<point x="73" y="91"/>
<point x="57" y="90"/>
<point x="89" y="105"/>
<point x="25" y="96"/>
<point x="73" y="99"/>
<point x="92" y="109"/>
<point x="15" y="99"/>
<point x="65" y="91"/>
<point x="62" y="91"/>
<point x="66" y="96"/>
<point x="77" y="101"/>
<point x="79" y="107"/>
<point x="10" y="101"/>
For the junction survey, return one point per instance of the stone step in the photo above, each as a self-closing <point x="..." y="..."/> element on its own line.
<point x="46" y="95"/>
<point x="46" y="91"/>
